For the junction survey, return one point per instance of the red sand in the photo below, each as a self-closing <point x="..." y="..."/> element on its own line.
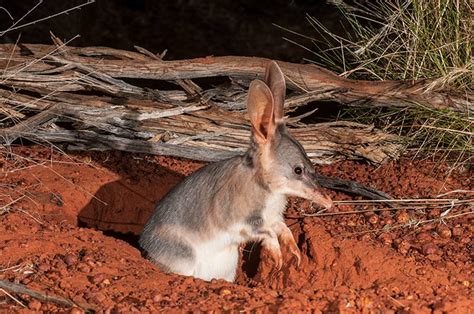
<point x="74" y="234"/>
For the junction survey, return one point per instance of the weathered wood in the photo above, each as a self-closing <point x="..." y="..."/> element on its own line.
<point x="187" y="131"/>
<point x="65" y="95"/>
<point x="300" y="77"/>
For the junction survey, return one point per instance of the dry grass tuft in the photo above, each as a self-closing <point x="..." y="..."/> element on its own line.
<point x="408" y="40"/>
<point x="403" y="40"/>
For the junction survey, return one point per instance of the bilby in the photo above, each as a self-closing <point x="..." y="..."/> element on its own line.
<point x="198" y="226"/>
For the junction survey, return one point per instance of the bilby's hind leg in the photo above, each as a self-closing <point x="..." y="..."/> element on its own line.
<point x="171" y="255"/>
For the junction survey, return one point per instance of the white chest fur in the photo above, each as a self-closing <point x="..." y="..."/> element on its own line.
<point x="275" y="205"/>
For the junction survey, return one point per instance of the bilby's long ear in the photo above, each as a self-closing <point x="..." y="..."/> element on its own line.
<point x="275" y="79"/>
<point x="260" y="109"/>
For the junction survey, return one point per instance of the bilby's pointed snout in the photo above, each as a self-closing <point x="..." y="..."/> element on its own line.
<point x="325" y="202"/>
<point x="321" y="199"/>
<point x="318" y="196"/>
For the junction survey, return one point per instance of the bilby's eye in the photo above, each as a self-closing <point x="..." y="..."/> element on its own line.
<point x="298" y="170"/>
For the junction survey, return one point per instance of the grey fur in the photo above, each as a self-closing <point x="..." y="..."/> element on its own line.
<point x="190" y="206"/>
<point x="255" y="220"/>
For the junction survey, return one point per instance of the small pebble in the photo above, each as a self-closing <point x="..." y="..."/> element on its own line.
<point x="64" y="284"/>
<point x="365" y="237"/>
<point x="63" y="272"/>
<point x="43" y="267"/>
<point x="402" y="217"/>
<point x="83" y="268"/>
<point x="157" y="297"/>
<point x="99" y="297"/>
<point x="374" y="219"/>
<point x="424" y="237"/>
<point x="466" y="283"/>
<point x="443" y="231"/>
<point x="70" y="259"/>
<point x="388" y="221"/>
<point x="404" y="247"/>
<point x="75" y="310"/>
<point x="91" y="263"/>
<point x="434" y="213"/>
<point x="427" y="227"/>
<point x="429" y="248"/>
<point x="224" y="292"/>
<point x="34" y="305"/>
<point x="434" y="257"/>
<point x="457" y="231"/>
<point x="97" y="278"/>
<point x="386" y="238"/>
<point x="351" y="223"/>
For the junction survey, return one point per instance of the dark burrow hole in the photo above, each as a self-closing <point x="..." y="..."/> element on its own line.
<point x="129" y="237"/>
<point x="251" y="259"/>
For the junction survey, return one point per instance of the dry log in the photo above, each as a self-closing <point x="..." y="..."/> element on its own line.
<point x="114" y="63"/>
<point x="195" y="131"/>
<point x="76" y="96"/>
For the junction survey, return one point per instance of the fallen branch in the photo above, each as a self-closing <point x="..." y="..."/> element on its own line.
<point x="42" y="296"/>
<point x="61" y="95"/>
<point x="300" y="77"/>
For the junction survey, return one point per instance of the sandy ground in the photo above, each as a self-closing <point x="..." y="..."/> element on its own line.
<point x="74" y="227"/>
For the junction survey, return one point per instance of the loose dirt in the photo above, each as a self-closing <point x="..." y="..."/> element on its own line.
<point x="73" y="223"/>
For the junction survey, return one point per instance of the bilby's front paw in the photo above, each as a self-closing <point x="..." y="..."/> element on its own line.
<point x="273" y="247"/>
<point x="287" y="239"/>
<point x="290" y="242"/>
<point x="277" y="258"/>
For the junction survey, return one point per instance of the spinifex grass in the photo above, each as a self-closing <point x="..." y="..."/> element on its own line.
<point x="408" y="40"/>
<point x="444" y="133"/>
<point x="402" y="40"/>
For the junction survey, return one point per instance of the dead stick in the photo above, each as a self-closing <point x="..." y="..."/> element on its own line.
<point x="352" y="187"/>
<point x="19" y="288"/>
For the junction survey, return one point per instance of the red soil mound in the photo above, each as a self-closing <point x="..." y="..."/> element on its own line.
<point x="73" y="230"/>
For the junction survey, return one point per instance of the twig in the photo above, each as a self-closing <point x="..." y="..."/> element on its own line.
<point x="411" y="224"/>
<point x="6" y="206"/>
<point x="15" y="25"/>
<point x="456" y="191"/>
<point x="13" y="298"/>
<point x="353" y="187"/>
<point x="21" y="289"/>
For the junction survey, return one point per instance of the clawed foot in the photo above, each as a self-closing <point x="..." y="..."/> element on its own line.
<point x="277" y="258"/>
<point x="295" y="251"/>
<point x="280" y="233"/>
<point x="288" y="240"/>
